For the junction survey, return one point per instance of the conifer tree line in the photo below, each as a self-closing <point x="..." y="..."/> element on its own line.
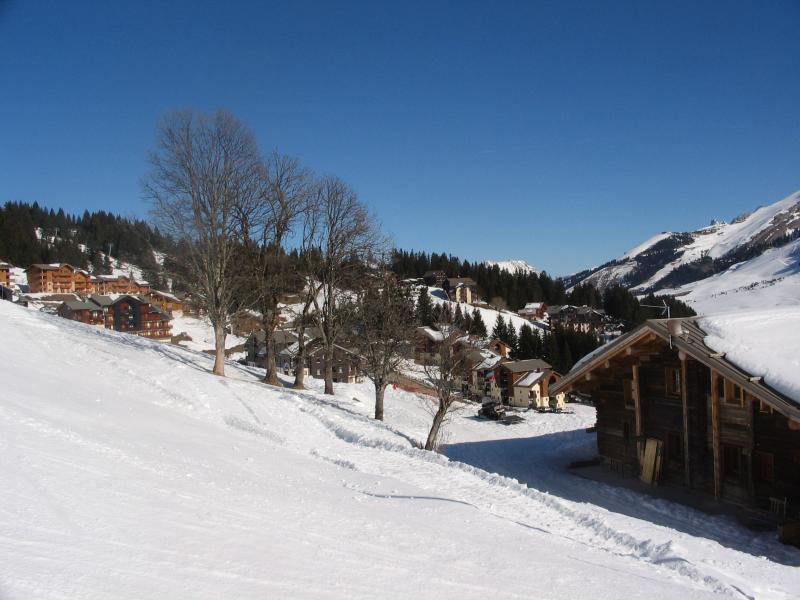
<point x="61" y="235"/>
<point x="514" y="290"/>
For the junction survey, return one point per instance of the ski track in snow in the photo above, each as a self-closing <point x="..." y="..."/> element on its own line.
<point x="337" y="432"/>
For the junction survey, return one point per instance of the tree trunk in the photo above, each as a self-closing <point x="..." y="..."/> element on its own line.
<point x="219" y="349"/>
<point x="300" y="369"/>
<point x="329" y="371"/>
<point x="271" y="377"/>
<point x="438" y="418"/>
<point x="380" y="390"/>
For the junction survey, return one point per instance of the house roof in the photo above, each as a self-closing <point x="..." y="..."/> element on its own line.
<point x="101" y="300"/>
<point x="80" y="305"/>
<point x="431" y="334"/>
<point x="531" y="364"/>
<point x="530" y="379"/>
<point x="165" y="295"/>
<point x="49" y="267"/>
<point x="693" y="341"/>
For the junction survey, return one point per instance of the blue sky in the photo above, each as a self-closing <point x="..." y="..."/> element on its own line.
<point x="563" y="133"/>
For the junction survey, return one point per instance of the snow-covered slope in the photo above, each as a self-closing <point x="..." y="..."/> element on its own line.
<point x="512" y="266"/>
<point x="769" y="280"/>
<point x="131" y="472"/>
<point x="489" y="315"/>
<point x="654" y="263"/>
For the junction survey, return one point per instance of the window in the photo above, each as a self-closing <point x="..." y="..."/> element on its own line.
<point x="738" y="395"/>
<point x="732" y="461"/>
<point x="765" y="462"/>
<point x="627" y="392"/>
<point x="674" y="381"/>
<point x="721" y="387"/>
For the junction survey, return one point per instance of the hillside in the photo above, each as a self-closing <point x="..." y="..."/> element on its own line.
<point x="512" y="266"/>
<point x="671" y="259"/>
<point x="131" y="472"/>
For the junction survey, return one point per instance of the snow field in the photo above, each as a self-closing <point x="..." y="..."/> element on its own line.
<point x="141" y="475"/>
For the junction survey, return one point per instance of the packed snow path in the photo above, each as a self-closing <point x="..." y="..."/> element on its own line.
<point x="129" y="471"/>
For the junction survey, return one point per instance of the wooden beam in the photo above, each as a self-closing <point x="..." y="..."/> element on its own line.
<point x="687" y="473"/>
<point x="749" y="406"/>
<point x="715" y="441"/>
<point x="637" y="407"/>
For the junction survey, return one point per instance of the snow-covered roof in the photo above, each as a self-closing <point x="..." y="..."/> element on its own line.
<point x="763" y="343"/>
<point x="488" y="362"/>
<point x="431" y="334"/>
<point x="530" y="379"/>
<point x="533" y="306"/>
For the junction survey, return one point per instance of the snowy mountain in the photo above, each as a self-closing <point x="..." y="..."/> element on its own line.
<point x="144" y="476"/>
<point x="512" y="266"/>
<point x="672" y="259"/>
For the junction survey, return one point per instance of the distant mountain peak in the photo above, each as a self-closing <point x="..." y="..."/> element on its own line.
<point x="512" y="265"/>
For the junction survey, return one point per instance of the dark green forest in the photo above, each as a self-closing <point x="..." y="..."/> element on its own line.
<point x="63" y="234"/>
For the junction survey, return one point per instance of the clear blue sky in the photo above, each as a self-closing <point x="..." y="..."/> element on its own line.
<point x="563" y="133"/>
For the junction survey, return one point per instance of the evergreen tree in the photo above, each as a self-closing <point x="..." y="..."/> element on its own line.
<point x="511" y="337"/>
<point x="458" y="318"/>
<point x="424" y="313"/>
<point x="500" y="332"/>
<point x="477" y="327"/>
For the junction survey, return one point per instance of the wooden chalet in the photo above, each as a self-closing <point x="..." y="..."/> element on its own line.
<point x="426" y="344"/>
<point x="345" y="363"/>
<point x="523" y="382"/>
<point x="82" y="311"/>
<point x="167" y="302"/>
<point x="245" y="322"/>
<point x="5" y="274"/>
<point x="681" y="414"/>
<point x="498" y="347"/>
<point x="51" y="278"/>
<point x="578" y="318"/>
<point x="533" y="311"/>
<point x="118" y="284"/>
<point x="127" y="313"/>
<point x="434" y="278"/>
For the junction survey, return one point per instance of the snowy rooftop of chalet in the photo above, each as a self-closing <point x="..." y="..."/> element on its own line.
<point x="763" y="343"/>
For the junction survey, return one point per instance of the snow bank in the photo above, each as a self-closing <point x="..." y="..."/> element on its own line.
<point x="762" y="343"/>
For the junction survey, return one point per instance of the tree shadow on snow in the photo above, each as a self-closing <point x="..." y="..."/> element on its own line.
<point x="541" y="463"/>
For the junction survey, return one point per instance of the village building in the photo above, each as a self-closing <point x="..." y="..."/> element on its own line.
<point x="482" y="383"/>
<point x="118" y="284"/>
<point x="498" y="347"/>
<point x="461" y="289"/>
<point x="126" y="313"/>
<point x="524" y="382"/>
<point x="673" y="409"/>
<point x="584" y="319"/>
<point x="246" y="322"/>
<point x="5" y="274"/>
<point x="51" y="278"/>
<point x="434" y="278"/>
<point x="83" y="311"/>
<point x="169" y="303"/>
<point x="345" y="365"/>
<point x="426" y="344"/>
<point x="533" y="311"/>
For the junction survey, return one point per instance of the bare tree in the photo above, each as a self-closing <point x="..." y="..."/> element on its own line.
<point x="385" y="321"/>
<point x="281" y="203"/>
<point x="347" y="237"/>
<point x="205" y="173"/>
<point x="443" y="374"/>
<point x="307" y="266"/>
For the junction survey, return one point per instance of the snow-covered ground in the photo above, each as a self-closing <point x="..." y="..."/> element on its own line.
<point x="489" y="315"/>
<point x="769" y="280"/>
<point x="129" y="471"/>
<point x="202" y="333"/>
